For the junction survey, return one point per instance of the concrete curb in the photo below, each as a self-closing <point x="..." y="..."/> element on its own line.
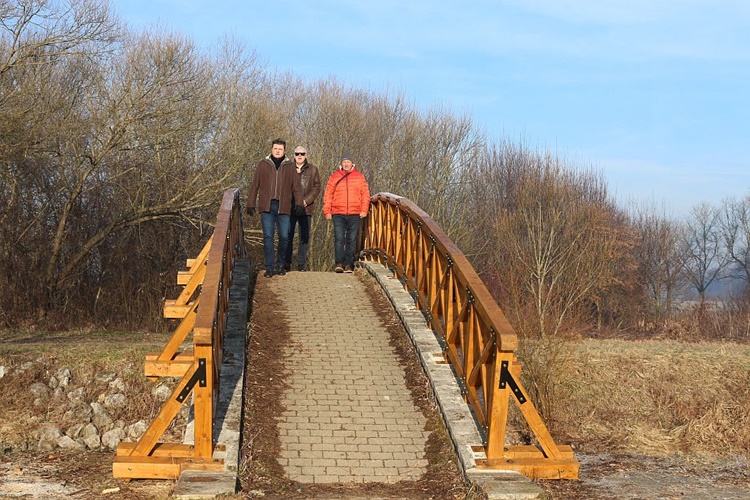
<point x="228" y="420"/>
<point x="456" y="414"/>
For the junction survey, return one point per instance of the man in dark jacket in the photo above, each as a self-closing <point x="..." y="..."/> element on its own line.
<point x="277" y="188"/>
<point x="310" y="181"/>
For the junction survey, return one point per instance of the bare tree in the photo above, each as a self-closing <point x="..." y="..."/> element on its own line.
<point x="735" y="230"/>
<point x="101" y="138"/>
<point x="659" y="259"/>
<point x="705" y="257"/>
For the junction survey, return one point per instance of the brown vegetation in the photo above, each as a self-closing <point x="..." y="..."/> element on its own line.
<point x="658" y="397"/>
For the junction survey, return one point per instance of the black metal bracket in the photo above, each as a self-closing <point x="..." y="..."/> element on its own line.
<point x="199" y="376"/>
<point x="507" y="379"/>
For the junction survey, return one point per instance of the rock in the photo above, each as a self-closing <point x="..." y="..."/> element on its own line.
<point x="77" y="395"/>
<point x="112" y="438"/>
<point x="69" y="443"/>
<point x="106" y="376"/>
<point x="75" y="430"/>
<point x="115" y="400"/>
<point x="89" y="430"/>
<point x="92" y="442"/>
<point x="39" y="390"/>
<point x="53" y="382"/>
<point x="136" y="430"/>
<point x="2" y="371"/>
<point x="58" y="393"/>
<point x="101" y="417"/>
<point x="25" y="366"/>
<point x="48" y="437"/>
<point x="79" y="412"/>
<point x="63" y="376"/>
<point x="118" y="385"/>
<point x="185" y="412"/>
<point x="161" y="392"/>
<point x="90" y="437"/>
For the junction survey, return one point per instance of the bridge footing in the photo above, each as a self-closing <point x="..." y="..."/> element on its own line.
<point x="459" y="421"/>
<point x="228" y="420"/>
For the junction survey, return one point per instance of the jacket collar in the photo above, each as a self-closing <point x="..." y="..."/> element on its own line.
<point x="284" y="160"/>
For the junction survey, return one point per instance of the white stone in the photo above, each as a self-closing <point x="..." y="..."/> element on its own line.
<point x="112" y="438"/>
<point x="115" y="400"/>
<point x="69" y="443"/>
<point x="162" y="392"/>
<point x="136" y="430"/>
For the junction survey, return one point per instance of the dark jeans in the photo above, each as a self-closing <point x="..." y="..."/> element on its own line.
<point x="345" y="228"/>
<point x="304" y="239"/>
<point x="272" y="221"/>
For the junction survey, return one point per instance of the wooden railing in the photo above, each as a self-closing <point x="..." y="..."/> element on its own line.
<point x="475" y="335"/>
<point x="206" y="283"/>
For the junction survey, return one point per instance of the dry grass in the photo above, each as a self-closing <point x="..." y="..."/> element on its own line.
<point x="658" y="397"/>
<point x="80" y="349"/>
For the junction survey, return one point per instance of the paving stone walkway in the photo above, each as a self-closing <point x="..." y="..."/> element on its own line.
<point x="349" y="416"/>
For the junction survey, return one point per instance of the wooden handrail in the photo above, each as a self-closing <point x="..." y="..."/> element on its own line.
<point x="475" y="335"/>
<point x="203" y="307"/>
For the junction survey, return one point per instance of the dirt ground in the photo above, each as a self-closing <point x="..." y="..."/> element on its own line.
<point x="52" y="476"/>
<point x="65" y="474"/>
<point x="628" y="477"/>
<point x="59" y="474"/>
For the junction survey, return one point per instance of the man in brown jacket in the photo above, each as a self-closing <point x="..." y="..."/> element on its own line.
<point x="310" y="181"/>
<point x="278" y="191"/>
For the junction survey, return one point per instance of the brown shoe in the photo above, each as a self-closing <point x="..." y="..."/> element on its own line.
<point x="347" y="269"/>
<point x="339" y="268"/>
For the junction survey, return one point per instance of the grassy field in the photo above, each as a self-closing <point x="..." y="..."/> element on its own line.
<point x="658" y="397"/>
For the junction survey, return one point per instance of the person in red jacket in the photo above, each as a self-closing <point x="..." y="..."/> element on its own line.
<point x="346" y="201"/>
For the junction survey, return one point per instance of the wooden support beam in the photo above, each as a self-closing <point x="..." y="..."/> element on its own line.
<point x="181" y="333"/>
<point x="176" y="367"/>
<point x="160" y="450"/>
<point x="150" y="439"/>
<point x="183" y="277"/>
<point x="536" y="468"/>
<point x="191" y="287"/>
<point x="130" y="467"/>
<point x="173" y="310"/>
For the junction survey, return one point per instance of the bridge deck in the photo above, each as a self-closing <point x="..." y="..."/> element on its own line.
<point x="349" y="415"/>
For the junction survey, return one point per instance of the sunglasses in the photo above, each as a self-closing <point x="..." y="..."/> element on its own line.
<point x="300" y="154"/>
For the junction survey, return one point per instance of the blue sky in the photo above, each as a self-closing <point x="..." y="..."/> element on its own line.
<point x="653" y="93"/>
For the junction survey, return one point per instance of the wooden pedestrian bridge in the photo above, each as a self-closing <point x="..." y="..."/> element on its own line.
<point x="348" y="415"/>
